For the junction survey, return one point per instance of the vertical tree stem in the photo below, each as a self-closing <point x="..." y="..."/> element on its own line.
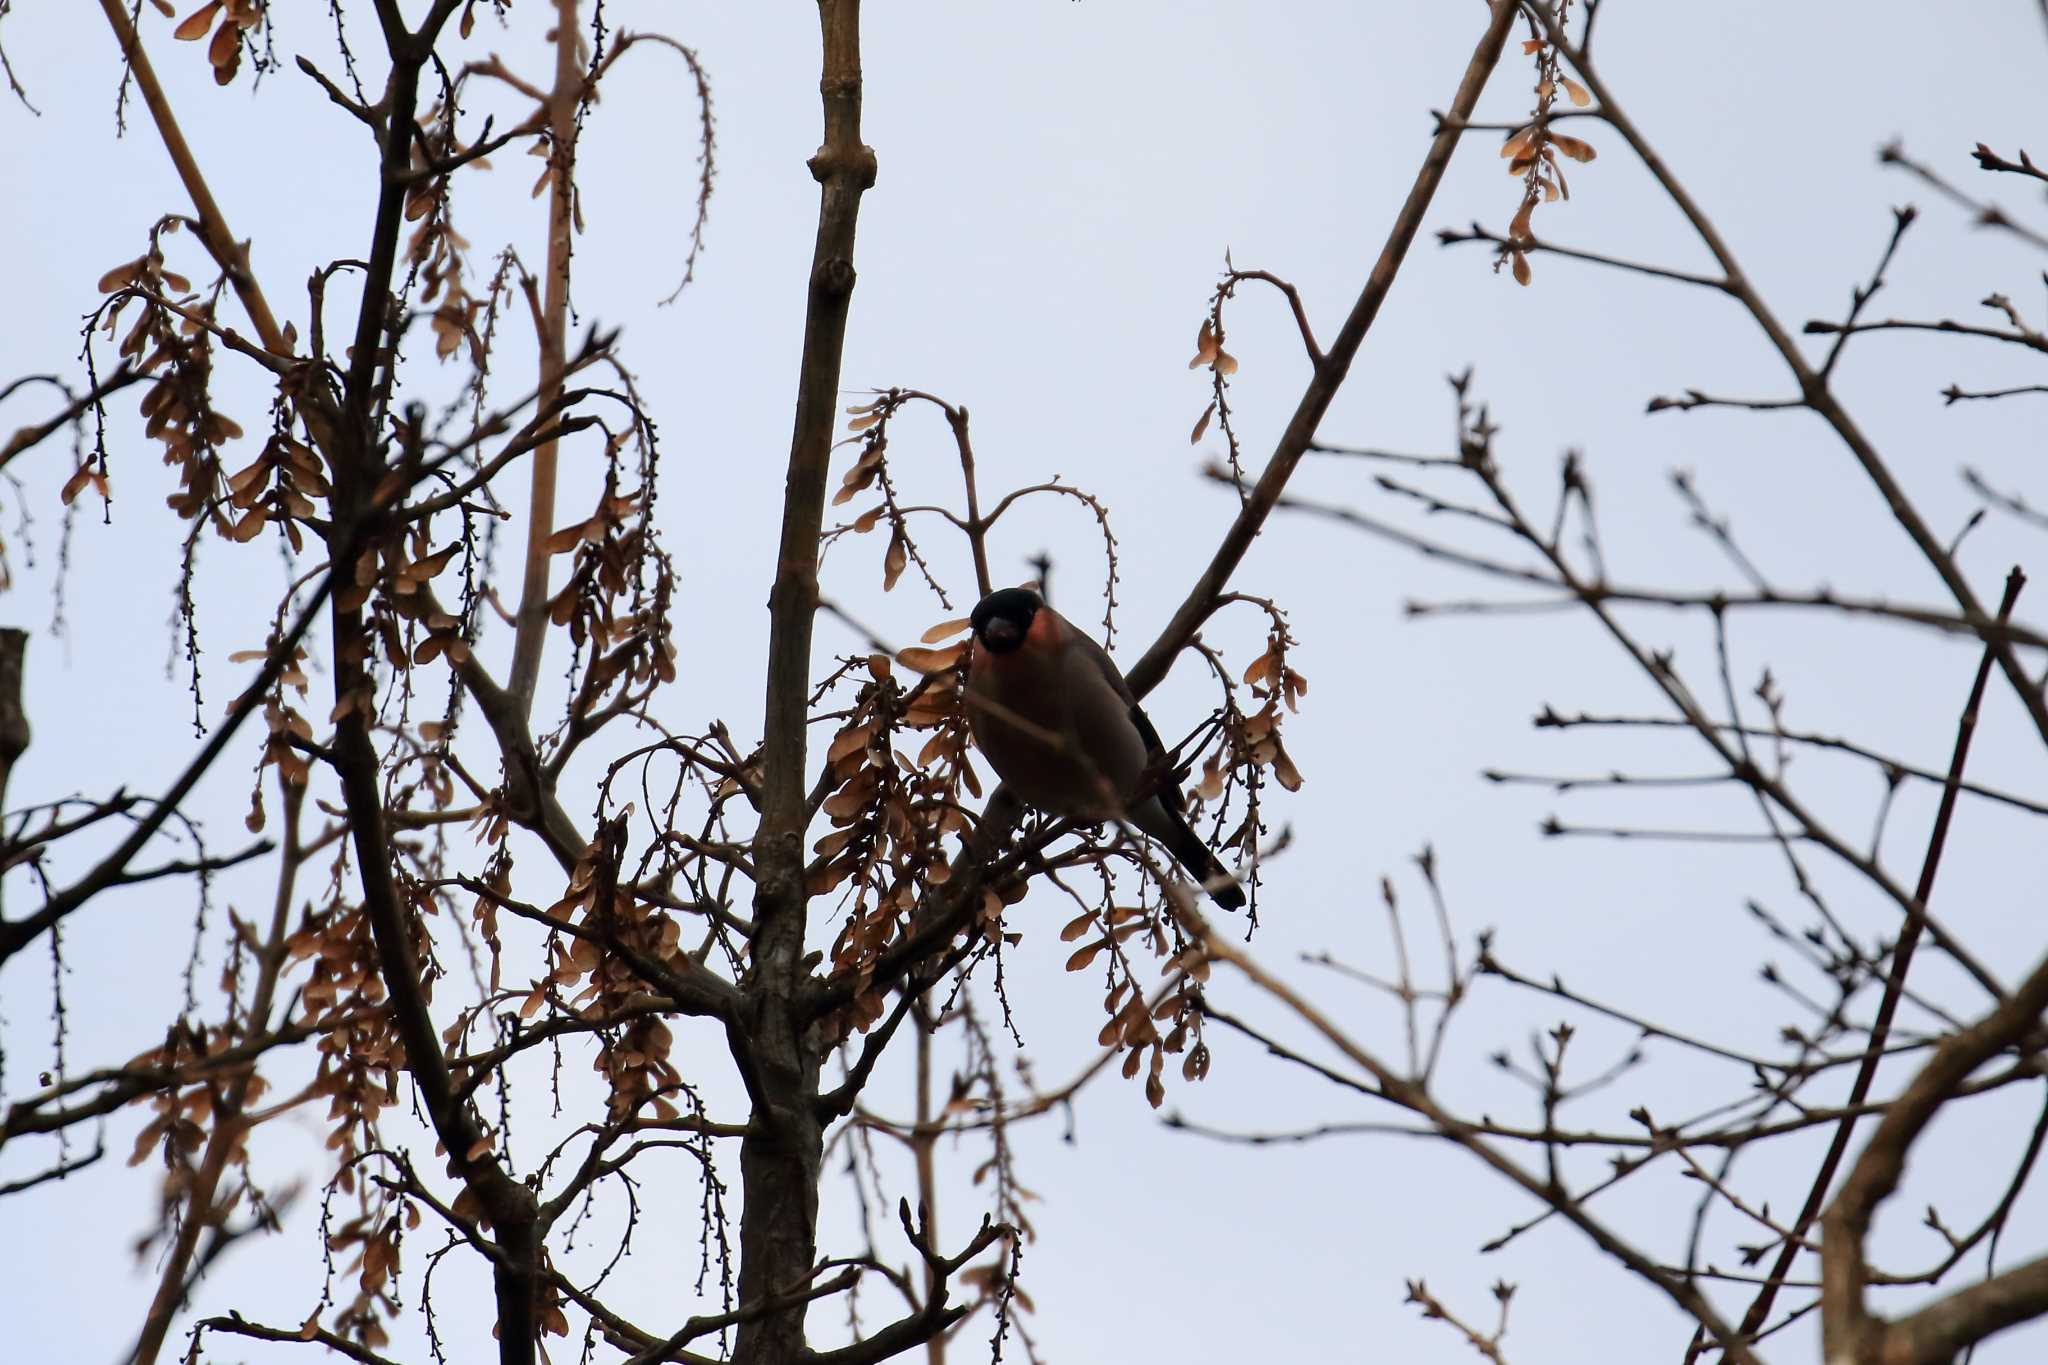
<point x="563" y="102"/>
<point x="201" y="1208"/>
<point x="922" y="1138"/>
<point x="14" y="731"/>
<point x="778" y="1046"/>
<point x="213" y="226"/>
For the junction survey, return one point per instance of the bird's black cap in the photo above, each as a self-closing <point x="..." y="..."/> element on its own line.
<point x="1002" y="618"/>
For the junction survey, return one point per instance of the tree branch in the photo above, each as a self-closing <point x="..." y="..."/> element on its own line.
<point x="562" y="106"/>
<point x="111" y="870"/>
<point x="779" y="1049"/>
<point x="230" y="255"/>
<point x="1330" y="372"/>
<point x="29" y="437"/>
<point x="1812" y="386"/>
<point x="1895" y="982"/>
<point x="1848" y="1330"/>
<point x="237" y="1325"/>
<point x="1416" y="1098"/>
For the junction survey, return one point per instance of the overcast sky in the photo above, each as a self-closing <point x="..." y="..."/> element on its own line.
<point x="1059" y="184"/>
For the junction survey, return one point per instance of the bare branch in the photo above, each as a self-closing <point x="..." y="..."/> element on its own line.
<point x="1479" y="233"/>
<point x="232" y="256"/>
<point x="29" y="437"/>
<point x="1895" y="984"/>
<point x="1330" y="372"/>
<point x="236" y="1325"/>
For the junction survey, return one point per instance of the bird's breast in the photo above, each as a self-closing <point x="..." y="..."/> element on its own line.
<point x="1021" y="725"/>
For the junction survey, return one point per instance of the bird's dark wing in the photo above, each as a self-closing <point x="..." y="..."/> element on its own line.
<point x="1153" y="744"/>
<point x="1160" y="814"/>
<point x="1105" y="665"/>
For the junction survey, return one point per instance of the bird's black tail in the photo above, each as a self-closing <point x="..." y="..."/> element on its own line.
<point x="1201" y="863"/>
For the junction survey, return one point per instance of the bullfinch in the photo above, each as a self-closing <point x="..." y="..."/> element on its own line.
<point x="1057" y="721"/>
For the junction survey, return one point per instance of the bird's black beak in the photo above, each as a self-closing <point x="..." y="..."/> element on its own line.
<point x="1002" y="634"/>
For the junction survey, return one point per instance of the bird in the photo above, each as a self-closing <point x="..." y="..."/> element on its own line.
<point x="1054" y="717"/>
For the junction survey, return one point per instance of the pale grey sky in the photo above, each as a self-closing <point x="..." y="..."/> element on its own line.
<point x="1058" y="186"/>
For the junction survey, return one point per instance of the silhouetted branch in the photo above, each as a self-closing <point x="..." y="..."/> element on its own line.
<point x="1329" y="373"/>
